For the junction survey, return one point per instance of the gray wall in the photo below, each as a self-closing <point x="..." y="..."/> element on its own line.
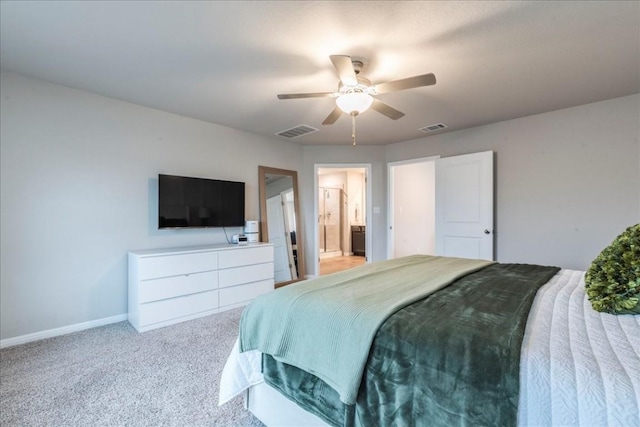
<point x="79" y="190"/>
<point x="567" y="181"/>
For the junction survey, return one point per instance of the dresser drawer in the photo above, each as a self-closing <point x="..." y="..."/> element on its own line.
<point x="246" y="256"/>
<point x="160" y="311"/>
<point x="172" y="285"/>
<point x="246" y="274"/>
<point x="242" y="293"/>
<point x="169" y="287"/>
<point x="175" y="265"/>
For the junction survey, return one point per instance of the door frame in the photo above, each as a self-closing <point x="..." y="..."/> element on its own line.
<point x="369" y="208"/>
<point x="391" y="196"/>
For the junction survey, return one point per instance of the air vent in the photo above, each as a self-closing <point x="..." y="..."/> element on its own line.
<point x="433" y="128"/>
<point x="298" y="131"/>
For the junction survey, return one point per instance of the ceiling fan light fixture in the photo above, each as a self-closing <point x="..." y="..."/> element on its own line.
<point x="358" y="102"/>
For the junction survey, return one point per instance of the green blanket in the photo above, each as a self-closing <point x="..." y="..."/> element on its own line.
<point x="452" y="358"/>
<point x="325" y="326"/>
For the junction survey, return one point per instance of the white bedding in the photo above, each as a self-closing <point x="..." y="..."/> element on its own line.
<point x="578" y="367"/>
<point x="241" y="371"/>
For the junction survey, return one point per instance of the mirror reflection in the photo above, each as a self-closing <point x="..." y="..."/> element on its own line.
<point x="279" y="213"/>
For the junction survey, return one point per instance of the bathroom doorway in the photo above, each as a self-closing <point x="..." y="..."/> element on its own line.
<point x="341" y="211"/>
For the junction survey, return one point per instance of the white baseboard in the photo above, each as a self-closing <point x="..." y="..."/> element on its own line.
<point x="50" y="333"/>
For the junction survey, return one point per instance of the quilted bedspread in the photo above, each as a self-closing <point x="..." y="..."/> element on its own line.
<point x="578" y="367"/>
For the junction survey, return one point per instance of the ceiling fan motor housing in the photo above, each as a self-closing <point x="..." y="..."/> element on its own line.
<point x="363" y="86"/>
<point x="357" y="65"/>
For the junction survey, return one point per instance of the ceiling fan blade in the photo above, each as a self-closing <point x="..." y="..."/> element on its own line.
<point x="408" y="83"/>
<point x="344" y="66"/>
<point x="305" y="95"/>
<point x="331" y="118"/>
<point x="386" y="109"/>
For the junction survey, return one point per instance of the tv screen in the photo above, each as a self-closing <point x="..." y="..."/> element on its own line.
<point x="185" y="202"/>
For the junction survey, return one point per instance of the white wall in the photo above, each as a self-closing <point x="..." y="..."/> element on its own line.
<point x="333" y="180"/>
<point x="79" y="190"/>
<point x="567" y="182"/>
<point x="357" y="198"/>
<point x="414" y="200"/>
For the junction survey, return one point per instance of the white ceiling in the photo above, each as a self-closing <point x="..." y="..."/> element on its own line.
<point x="224" y="62"/>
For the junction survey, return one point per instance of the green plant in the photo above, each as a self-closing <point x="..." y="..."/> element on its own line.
<point x="613" y="279"/>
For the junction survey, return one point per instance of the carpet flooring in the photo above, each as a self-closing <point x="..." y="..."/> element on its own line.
<point x="115" y="376"/>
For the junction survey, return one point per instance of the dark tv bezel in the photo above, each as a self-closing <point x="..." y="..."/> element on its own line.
<point x="191" y="227"/>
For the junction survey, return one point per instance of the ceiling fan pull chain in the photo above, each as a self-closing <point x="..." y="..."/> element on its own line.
<point x="353" y="128"/>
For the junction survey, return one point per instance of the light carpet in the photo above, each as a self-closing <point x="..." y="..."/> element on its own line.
<point x="115" y="376"/>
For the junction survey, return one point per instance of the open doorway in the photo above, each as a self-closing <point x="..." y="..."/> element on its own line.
<point x="411" y="207"/>
<point x="442" y="206"/>
<point x="342" y="212"/>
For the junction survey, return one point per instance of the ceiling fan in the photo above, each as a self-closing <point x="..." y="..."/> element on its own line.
<point x="356" y="94"/>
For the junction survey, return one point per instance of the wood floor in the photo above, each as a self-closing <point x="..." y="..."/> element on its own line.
<point x="339" y="263"/>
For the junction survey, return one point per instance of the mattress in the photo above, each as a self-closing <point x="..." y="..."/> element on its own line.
<point x="578" y="366"/>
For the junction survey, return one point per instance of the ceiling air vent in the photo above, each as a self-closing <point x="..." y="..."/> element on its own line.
<point x="298" y="131"/>
<point x="433" y="128"/>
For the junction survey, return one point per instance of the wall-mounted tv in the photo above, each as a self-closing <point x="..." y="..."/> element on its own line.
<point x="185" y="202"/>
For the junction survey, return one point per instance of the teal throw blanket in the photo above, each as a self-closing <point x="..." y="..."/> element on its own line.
<point x="325" y="326"/>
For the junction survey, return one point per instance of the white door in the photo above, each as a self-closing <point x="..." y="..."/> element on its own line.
<point x="276" y="230"/>
<point x="464" y="206"/>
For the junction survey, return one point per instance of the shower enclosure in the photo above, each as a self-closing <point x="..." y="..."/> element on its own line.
<point x="331" y="220"/>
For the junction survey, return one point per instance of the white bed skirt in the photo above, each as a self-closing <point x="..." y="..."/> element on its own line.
<point x="578" y="367"/>
<point x="273" y="409"/>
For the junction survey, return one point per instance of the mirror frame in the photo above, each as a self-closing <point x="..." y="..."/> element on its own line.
<point x="264" y="233"/>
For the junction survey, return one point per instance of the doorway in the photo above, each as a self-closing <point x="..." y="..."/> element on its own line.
<point x="442" y="206"/>
<point x="411" y="207"/>
<point x="341" y="209"/>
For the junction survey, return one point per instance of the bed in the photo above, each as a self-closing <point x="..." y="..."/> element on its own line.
<point x="491" y="344"/>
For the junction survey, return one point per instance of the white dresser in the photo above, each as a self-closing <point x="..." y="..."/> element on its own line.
<point x="172" y="285"/>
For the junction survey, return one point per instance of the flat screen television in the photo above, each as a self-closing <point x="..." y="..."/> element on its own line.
<point x="185" y="202"/>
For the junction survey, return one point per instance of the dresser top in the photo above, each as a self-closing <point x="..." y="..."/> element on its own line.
<point x="193" y="249"/>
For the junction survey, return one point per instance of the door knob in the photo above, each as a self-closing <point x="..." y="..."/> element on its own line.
<point x="487" y="232"/>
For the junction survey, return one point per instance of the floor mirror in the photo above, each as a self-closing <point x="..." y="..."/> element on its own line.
<point x="279" y="222"/>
